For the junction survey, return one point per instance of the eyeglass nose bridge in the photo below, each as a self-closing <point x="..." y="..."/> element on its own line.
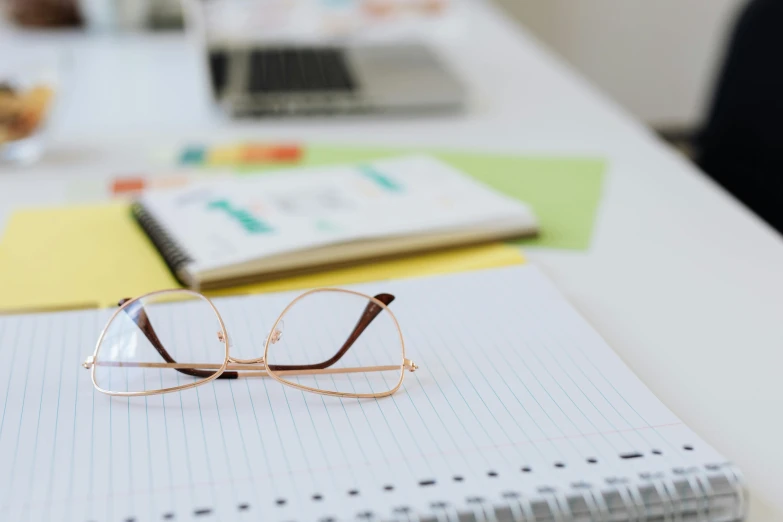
<point x="274" y="337"/>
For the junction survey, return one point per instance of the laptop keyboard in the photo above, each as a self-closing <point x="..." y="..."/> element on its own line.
<point x="299" y="70"/>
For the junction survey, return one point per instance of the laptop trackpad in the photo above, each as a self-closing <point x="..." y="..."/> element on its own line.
<point x="402" y="75"/>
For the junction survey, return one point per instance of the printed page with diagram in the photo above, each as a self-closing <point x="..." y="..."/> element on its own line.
<point x="224" y="223"/>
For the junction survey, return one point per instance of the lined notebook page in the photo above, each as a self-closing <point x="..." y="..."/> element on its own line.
<point x="515" y="393"/>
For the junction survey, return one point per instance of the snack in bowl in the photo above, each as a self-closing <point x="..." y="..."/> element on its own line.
<point x="22" y="111"/>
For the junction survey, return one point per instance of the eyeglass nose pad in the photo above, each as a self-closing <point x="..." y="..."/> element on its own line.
<point x="222" y="338"/>
<point x="277" y="333"/>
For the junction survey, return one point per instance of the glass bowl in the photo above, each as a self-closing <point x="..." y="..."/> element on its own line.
<point x="27" y="92"/>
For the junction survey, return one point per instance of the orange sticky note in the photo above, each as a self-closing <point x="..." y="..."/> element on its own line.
<point x="122" y="186"/>
<point x="255" y="153"/>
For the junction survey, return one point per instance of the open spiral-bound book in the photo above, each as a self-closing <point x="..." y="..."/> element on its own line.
<point x="519" y="411"/>
<point x="222" y="233"/>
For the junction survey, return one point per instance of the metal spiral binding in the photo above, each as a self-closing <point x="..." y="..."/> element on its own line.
<point x="658" y="482"/>
<point x="699" y="483"/>
<point x="173" y="254"/>
<point x="521" y="508"/>
<point x="596" y="505"/>
<point x="480" y="511"/>
<point x="558" y="505"/>
<point x="673" y="498"/>
<point x="445" y="512"/>
<point x="739" y="486"/>
<point x="405" y="512"/>
<point x="634" y="505"/>
<point x="707" y="490"/>
<point x="601" y="506"/>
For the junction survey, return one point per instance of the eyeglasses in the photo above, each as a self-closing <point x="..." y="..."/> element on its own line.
<point x="328" y="341"/>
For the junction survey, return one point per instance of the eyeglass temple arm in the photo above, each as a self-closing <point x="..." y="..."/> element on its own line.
<point x="139" y="316"/>
<point x="371" y="311"/>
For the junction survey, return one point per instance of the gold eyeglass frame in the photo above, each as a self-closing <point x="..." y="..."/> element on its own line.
<point x="250" y="367"/>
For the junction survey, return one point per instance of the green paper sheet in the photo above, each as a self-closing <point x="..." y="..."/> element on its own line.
<point x="564" y="192"/>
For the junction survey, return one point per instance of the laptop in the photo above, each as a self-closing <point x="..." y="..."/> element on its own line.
<point x="288" y="80"/>
<point x="253" y="76"/>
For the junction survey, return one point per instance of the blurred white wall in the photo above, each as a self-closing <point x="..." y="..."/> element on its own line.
<point x="658" y="58"/>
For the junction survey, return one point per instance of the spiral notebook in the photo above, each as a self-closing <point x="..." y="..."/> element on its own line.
<point x="519" y="411"/>
<point x="231" y="231"/>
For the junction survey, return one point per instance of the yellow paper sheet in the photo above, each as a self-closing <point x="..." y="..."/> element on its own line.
<point x="92" y="256"/>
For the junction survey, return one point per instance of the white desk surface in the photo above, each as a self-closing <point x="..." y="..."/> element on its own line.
<point x="683" y="282"/>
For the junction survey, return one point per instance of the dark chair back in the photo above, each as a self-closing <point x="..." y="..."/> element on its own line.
<point x="741" y="144"/>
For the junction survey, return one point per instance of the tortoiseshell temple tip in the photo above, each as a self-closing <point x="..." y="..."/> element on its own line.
<point x="123" y="301"/>
<point x="385" y="298"/>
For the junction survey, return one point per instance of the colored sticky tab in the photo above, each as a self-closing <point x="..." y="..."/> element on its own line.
<point x="226" y="155"/>
<point x="125" y="186"/>
<point x="193" y="155"/>
<point x="256" y="153"/>
<point x="287" y="153"/>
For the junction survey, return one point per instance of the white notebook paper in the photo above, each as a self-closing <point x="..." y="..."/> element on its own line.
<point x="519" y="408"/>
